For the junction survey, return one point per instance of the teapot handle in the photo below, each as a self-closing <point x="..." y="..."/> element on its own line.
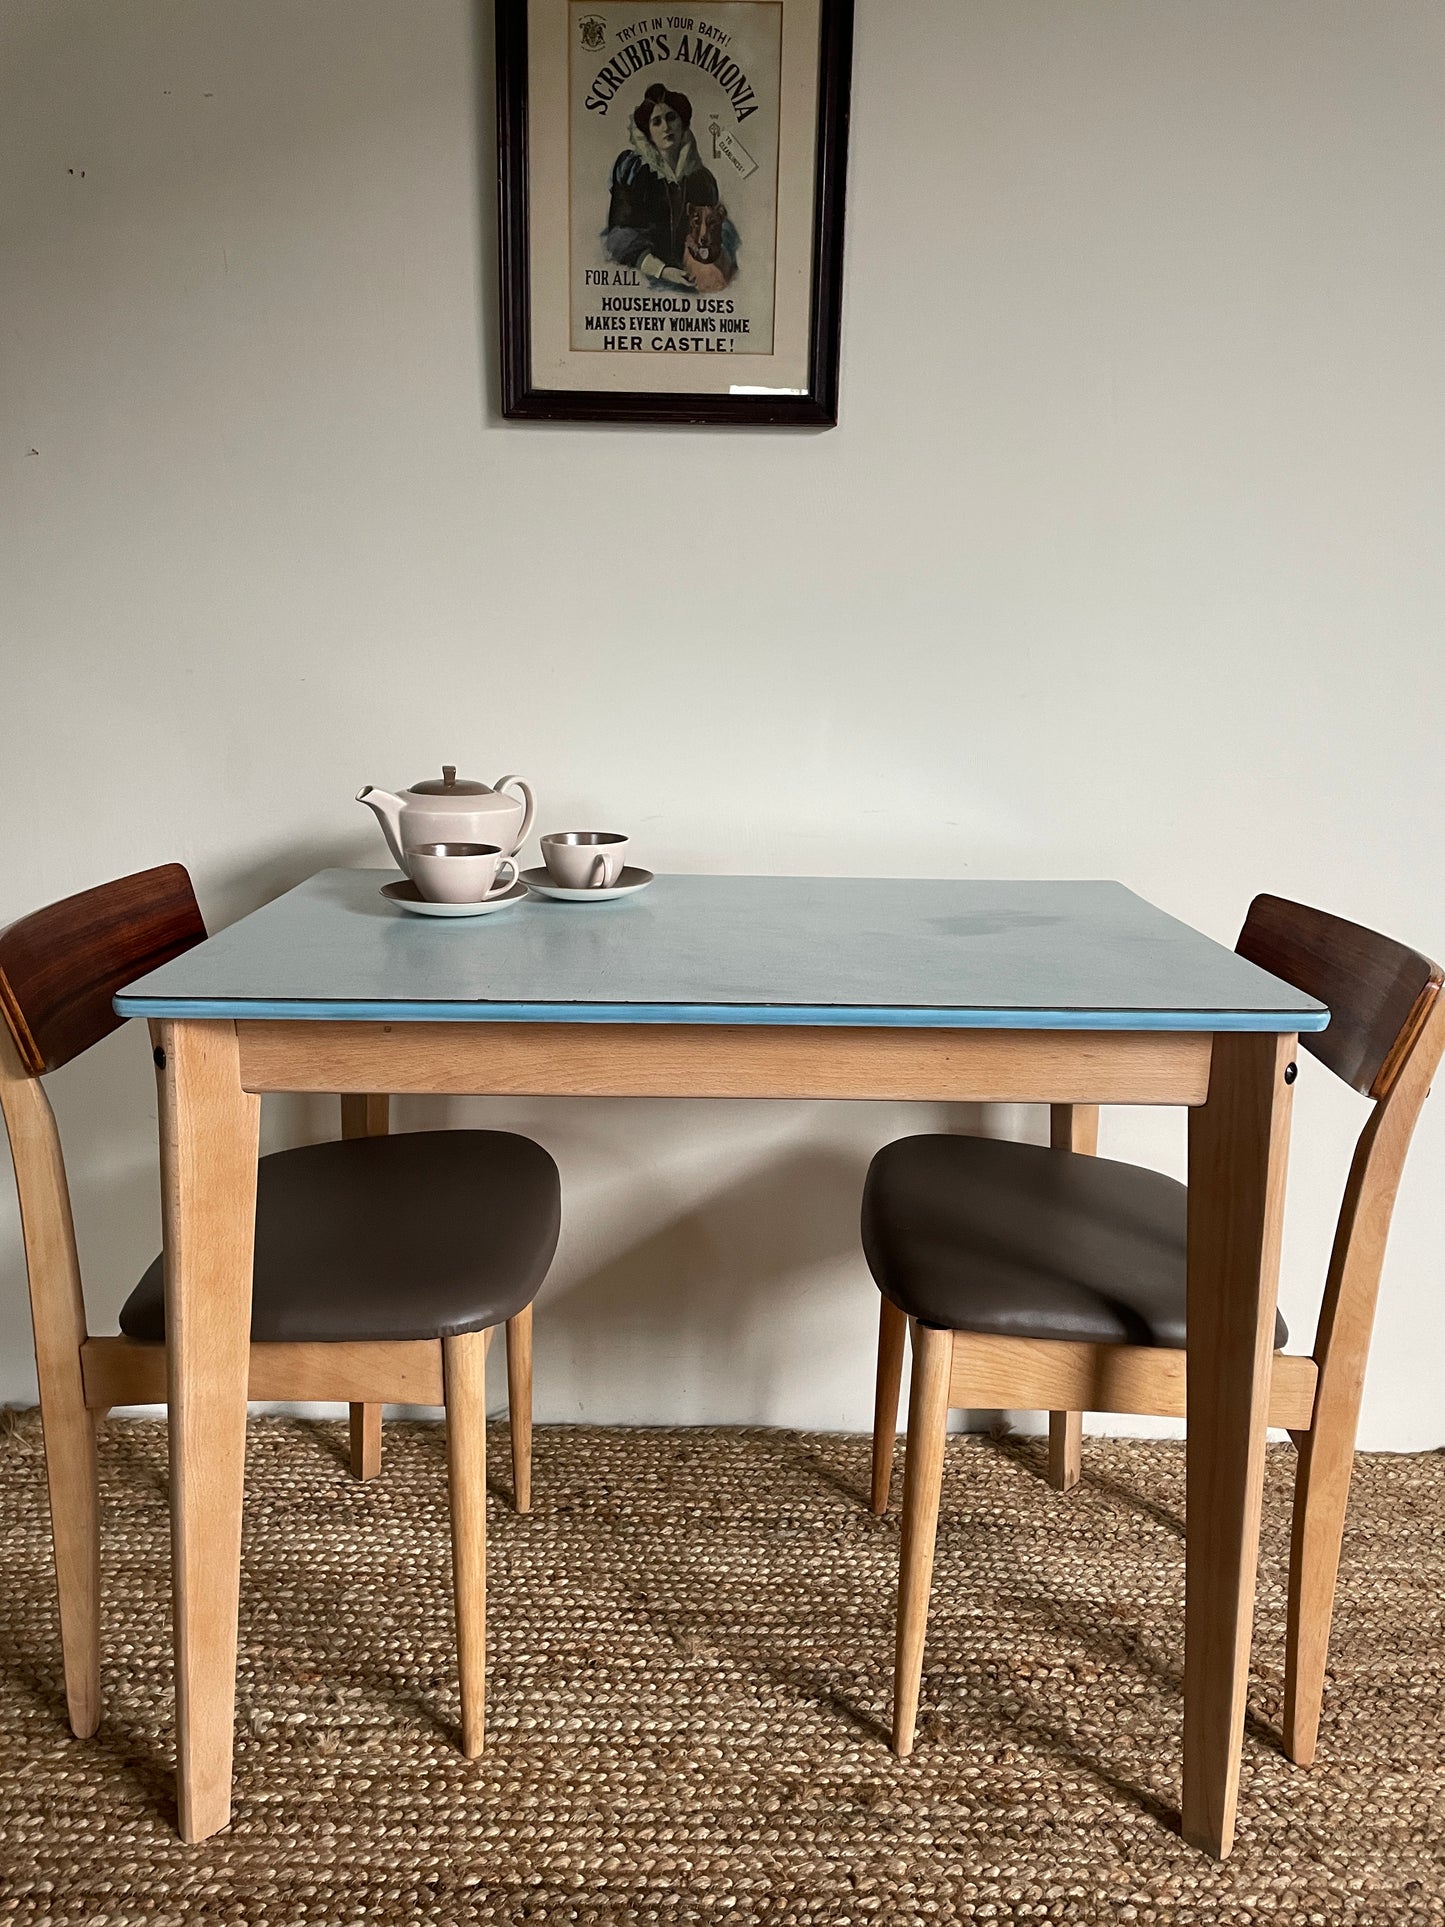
<point x="501" y="783"/>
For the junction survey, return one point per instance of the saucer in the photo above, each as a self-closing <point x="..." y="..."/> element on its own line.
<point x="406" y="896"/>
<point x="629" y="882"/>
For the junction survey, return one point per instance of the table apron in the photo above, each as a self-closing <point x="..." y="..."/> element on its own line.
<point x="716" y="1061"/>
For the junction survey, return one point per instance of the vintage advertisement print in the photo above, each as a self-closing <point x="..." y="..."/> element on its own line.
<point x="673" y="178"/>
<point x="672" y="185"/>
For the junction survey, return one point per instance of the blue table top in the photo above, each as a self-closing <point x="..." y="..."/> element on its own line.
<point x="733" y="950"/>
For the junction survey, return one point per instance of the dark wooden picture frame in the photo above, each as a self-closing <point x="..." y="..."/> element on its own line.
<point x="818" y="406"/>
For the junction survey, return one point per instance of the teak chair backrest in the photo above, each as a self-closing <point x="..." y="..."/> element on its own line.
<point x="1380" y="993"/>
<point x="61" y="966"/>
<point x="1385" y="1039"/>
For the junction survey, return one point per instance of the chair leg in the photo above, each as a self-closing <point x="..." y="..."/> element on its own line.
<point x="1321" y="1490"/>
<point x="72" y="1478"/>
<point x="922" y="1486"/>
<point x="1066" y="1449"/>
<point x="57" y="1310"/>
<point x="365" y="1441"/>
<point x="464" y="1366"/>
<point x="892" y="1329"/>
<point x="519" y="1404"/>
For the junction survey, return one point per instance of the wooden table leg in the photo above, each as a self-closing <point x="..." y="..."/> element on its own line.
<point x="209" y="1129"/>
<point x="365" y="1115"/>
<point x="1072" y="1127"/>
<point x="1238" y="1147"/>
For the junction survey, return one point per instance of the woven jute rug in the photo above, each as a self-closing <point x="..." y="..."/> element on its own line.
<point x="691" y="1644"/>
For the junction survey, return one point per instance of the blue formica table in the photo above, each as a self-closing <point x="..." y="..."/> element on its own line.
<point x="1070" y="994"/>
<point x="857" y="951"/>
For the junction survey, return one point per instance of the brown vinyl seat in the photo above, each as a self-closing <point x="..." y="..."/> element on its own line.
<point x="1022" y="1241"/>
<point x="423" y="1235"/>
<point x="383" y="1265"/>
<point x="1047" y="1278"/>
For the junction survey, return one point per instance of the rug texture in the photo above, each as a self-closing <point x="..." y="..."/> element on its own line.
<point x="691" y="1647"/>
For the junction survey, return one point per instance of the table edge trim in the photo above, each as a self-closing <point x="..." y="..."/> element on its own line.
<point x="800" y="1016"/>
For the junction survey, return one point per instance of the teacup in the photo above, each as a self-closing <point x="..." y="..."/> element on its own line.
<point x="460" y="872"/>
<point x="585" y="859"/>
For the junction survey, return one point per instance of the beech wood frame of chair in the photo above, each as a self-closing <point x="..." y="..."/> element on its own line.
<point x="56" y="985"/>
<point x="1386" y="1038"/>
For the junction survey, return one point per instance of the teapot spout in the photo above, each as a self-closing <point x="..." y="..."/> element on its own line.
<point x="388" y="814"/>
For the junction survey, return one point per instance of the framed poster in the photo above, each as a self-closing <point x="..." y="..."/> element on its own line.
<point x="672" y="209"/>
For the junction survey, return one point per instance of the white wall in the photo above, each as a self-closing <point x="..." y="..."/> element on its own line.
<point x="1125" y="561"/>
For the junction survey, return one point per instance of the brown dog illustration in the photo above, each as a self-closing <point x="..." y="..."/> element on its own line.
<point x="704" y="258"/>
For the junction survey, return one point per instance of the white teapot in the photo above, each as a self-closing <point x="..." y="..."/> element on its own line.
<point x="451" y="810"/>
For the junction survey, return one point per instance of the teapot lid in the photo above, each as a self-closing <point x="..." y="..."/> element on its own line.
<point x="449" y="785"/>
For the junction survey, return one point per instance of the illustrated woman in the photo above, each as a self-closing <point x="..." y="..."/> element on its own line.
<point x="655" y="183"/>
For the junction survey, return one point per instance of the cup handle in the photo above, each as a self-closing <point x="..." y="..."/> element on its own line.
<point x="498" y="887"/>
<point x="598" y="878"/>
<point x="505" y="782"/>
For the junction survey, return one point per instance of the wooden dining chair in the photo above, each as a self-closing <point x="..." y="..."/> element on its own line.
<point x="382" y="1266"/>
<point x="1048" y="1278"/>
